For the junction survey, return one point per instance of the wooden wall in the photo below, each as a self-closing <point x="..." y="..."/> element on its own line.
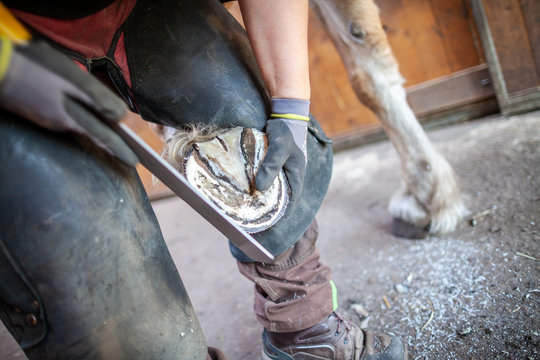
<point x="510" y="32"/>
<point x="515" y="54"/>
<point x="430" y="39"/>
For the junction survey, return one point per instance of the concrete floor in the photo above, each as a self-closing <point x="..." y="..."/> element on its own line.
<point x="474" y="293"/>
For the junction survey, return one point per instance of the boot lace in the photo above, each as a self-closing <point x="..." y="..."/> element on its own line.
<point x="342" y="322"/>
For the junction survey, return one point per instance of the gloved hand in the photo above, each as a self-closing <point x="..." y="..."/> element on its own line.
<point x="286" y="132"/>
<point x="46" y="87"/>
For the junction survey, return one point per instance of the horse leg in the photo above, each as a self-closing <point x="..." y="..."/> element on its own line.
<point x="428" y="199"/>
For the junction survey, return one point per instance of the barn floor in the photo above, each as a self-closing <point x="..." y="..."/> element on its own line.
<point x="471" y="294"/>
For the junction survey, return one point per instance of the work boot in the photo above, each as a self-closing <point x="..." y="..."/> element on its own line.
<point x="332" y="339"/>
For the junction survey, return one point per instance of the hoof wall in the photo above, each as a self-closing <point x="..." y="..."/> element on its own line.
<point x="407" y="230"/>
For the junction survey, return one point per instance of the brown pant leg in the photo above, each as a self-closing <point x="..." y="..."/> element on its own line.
<point x="294" y="292"/>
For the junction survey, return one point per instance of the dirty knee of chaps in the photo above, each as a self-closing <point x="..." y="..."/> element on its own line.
<point x="88" y="267"/>
<point x="190" y="62"/>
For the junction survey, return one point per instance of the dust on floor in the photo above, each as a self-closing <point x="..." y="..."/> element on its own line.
<point x="471" y="294"/>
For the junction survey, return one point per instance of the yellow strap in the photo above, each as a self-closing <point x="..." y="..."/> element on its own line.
<point x="290" y="116"/>
<point x="6" y="49"/>
<point x="11" y="27"/>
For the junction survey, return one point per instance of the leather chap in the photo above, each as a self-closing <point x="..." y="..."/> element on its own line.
<point x="84" y="270"/>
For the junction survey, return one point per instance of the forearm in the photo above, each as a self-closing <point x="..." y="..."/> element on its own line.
<point x="277" y="30"/>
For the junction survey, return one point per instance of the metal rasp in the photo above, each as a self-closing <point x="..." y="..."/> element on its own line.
<point x="181" y="187"/>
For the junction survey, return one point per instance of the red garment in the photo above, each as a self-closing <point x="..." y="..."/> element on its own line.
<point x="90" y="36"/>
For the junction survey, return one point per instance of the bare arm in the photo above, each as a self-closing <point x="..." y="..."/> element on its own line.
<point x="277" y="31"/>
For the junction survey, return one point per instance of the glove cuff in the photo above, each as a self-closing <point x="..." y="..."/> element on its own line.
<point x="294" y="109"/>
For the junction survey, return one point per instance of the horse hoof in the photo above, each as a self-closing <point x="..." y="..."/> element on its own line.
<point x="407" y="230"/>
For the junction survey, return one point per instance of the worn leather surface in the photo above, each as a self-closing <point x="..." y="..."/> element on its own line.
<point x="191" y="62"/>
<point x="78" y="225"/>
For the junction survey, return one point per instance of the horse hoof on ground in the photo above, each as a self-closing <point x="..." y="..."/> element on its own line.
<point x="404" y="229"/>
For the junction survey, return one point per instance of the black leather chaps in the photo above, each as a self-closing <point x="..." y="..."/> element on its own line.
<point x="84" y="270"/>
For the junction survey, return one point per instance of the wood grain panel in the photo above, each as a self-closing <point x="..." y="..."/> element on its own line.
<point x="455" y="26"/>
<point x="511" y="41"/>
<point x="451" y="91"/>
<point x="415" y="39"/>
<point x="531" y="13"/>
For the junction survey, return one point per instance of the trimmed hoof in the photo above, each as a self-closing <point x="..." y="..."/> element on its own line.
<point x="407" y="230"/>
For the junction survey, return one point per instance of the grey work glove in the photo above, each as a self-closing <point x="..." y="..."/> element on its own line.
<point x="286" y="132"/>
<point x="46" y="87"/>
